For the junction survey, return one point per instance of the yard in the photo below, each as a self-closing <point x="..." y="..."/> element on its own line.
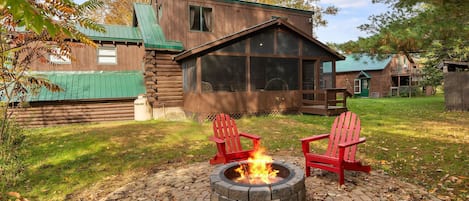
<point x="412" y="139"/>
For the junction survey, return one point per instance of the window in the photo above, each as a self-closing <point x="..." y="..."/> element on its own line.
<point x="357" y="89"/>
<point x="223" y="73"/>
<point x="273" y="74"/>
<point x="107" y="55"/>
<point x="200" y="18"/>
<point x="59" y="59"/>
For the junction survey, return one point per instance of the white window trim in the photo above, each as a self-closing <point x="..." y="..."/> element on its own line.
<point x="359" y="86"/>
<point x="107" y="55"/>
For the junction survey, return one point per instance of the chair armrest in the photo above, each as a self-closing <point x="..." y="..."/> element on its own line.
<point x="305" y="141"/>
<point x="216" y="140"/>
<point x="251" y="136"/>
<point x="255" y="139"/>
<point x="343" y="145"/>
<point x="314" y="138"/>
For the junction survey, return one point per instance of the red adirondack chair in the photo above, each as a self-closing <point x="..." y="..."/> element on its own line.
<point x="228" y="141"/>
<point x="340" y="154"/>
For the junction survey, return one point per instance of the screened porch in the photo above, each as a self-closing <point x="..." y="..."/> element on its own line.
<point x="265" y="71"/>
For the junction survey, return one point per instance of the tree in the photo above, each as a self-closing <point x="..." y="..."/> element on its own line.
<point x="115" y="12"/>
<point x="437" y="30"/>
<point x="31" y="31"/>
<point x="317" y="20"/>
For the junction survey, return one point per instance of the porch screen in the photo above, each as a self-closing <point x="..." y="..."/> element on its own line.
<point x="189" y="75"/>
<point x="263" y="43"/>
<point x="287" y="43"/>
<point x="223" y="73"/>
<point x="325" y="75"/>
<point x="273" y="74"/>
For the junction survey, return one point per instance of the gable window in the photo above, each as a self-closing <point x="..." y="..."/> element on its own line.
<point x="107" y="55"/>
<point x="200" y="18"/>
<point x="58" y="58"/>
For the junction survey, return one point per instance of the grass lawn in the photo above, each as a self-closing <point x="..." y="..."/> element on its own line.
<point x="413" y="139"/>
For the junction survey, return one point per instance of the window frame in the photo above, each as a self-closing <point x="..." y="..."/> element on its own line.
<point x="200" y="10"/>
<point x="98" y="55"/>
<point x="357" y="86"/>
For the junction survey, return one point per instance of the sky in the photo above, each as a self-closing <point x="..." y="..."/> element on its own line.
<point x="343" y="26"/>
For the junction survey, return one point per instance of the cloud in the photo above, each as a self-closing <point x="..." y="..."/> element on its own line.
<point x="346" y="3"/>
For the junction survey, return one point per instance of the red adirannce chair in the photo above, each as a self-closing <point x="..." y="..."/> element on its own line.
<point x="340" y="153"/>
<point x="227" y="138"/>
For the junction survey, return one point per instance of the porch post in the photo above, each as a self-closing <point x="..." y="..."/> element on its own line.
<point x="333" y="74"/>
<point x="198" y="67"/>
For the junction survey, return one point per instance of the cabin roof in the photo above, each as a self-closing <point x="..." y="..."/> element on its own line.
<point x="263" y="26"/>
<point x="116" y="33"/>
<point x="83" y="85"/>
<point x="152" y="33"/>
<point x="359" y="62"/>
<point x="250" y="3"/>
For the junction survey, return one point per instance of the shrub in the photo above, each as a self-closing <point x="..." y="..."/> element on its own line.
<point x="11" y="166"/>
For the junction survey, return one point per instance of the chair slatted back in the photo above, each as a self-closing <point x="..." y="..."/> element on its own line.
<point x="346" y="128"/>
<point x="225" y="128"/>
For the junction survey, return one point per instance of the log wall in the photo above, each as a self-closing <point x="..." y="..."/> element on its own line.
<point x="42" y="114"/>
<point x="163" y="79"/>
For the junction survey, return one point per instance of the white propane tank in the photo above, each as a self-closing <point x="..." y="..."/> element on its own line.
<point x="142" y="109"/>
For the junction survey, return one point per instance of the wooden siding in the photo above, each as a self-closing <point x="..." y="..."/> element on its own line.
<point x="42" y="114"/>
<point x="129" y="57"/>
<point x="457" y="91"/>
<point x="163" y="80"/>
<point x="227" y="18"/>
<point x="242" y="102"/>
<point x="380" y="82"/>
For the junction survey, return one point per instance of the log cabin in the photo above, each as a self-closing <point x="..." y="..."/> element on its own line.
<point x="198" y="58"/>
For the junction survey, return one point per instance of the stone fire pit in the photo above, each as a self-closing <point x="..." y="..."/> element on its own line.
<point x="291" y="187"/>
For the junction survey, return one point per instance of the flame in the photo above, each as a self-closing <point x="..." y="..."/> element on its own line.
<point x="258" y="169"/>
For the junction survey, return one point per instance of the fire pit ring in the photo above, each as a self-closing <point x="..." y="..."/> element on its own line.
<point x="291" y="187"/>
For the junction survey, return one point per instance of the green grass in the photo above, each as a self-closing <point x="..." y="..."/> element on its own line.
<point x="413" y="139"/>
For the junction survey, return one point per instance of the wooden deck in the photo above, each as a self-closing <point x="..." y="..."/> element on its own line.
<point x="329" y="102"/>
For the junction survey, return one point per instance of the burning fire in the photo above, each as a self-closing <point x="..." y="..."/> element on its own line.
<point x="257" y="170"/>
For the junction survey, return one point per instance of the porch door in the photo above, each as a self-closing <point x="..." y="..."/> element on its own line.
<point x="308" y="78"/>
<point x="361" y="87"/>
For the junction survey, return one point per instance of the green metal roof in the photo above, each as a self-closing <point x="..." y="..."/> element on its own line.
<point x="152" y="33"/>
<point x="358" y="62"/>
<point x="114" y="33"/>
<point x="363" y="74"/>
<point x="85" y="85"/>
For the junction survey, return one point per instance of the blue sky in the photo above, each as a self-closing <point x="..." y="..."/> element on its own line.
<point x="343" y="26"/>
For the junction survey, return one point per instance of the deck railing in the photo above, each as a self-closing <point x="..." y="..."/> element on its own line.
<point x="336" y="97"/>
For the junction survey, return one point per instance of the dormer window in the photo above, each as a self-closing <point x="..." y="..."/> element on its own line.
<point x="200" y="18"/>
